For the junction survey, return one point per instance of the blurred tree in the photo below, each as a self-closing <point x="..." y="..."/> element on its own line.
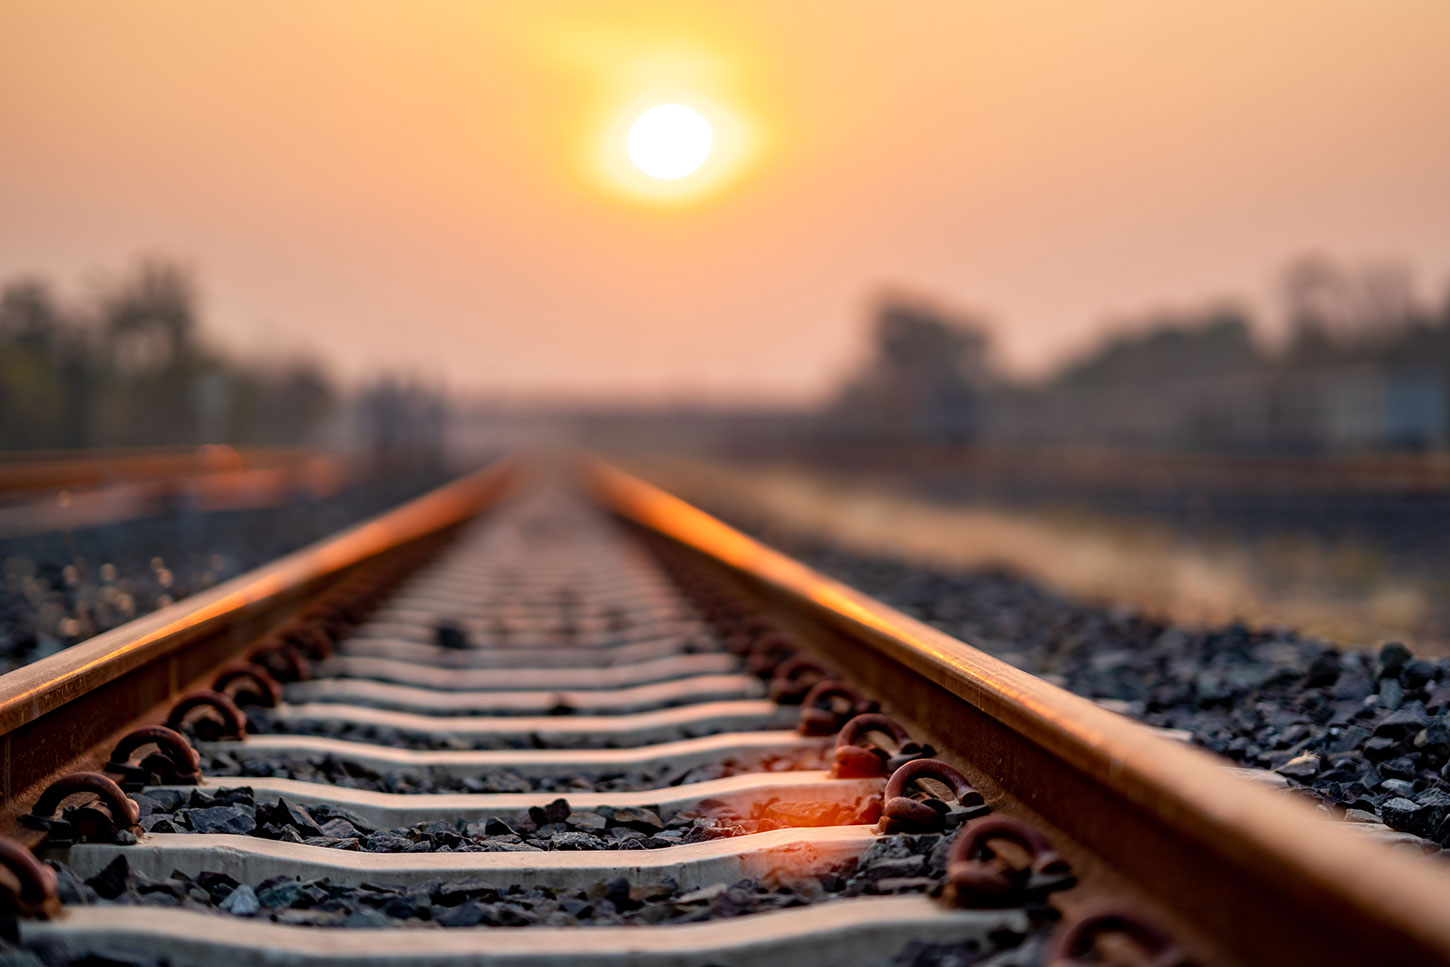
<point x="131" y="370"/>
<point x="150" y="318"/>
<point x="1170" y="347"/>
<point x="1323" y="299"/>
<point x="148" y="324"/>
<point x="28" y="313"/>
<point x="298" y="399"/>
<point x="404" y="422"/>
<point x="927" y="378"/>
<point x="41" y="360"/>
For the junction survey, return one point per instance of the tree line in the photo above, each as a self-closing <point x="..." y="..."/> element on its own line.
<point x="129" y="366"/>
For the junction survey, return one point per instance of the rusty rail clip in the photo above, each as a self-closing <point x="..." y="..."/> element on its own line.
<point x="743" y="630"/>
<point x="858" y="759"/>
<point x="247" y="683"/>
<point x="281" y="659"/>
<point x="34" y="890"/>
<point x="974" y="880"/>
<point x="794" y="678"/>
<point x="1075" y="937"/>
<point x="308" y="637"/>
<point x="173" y="762"/>
<point x="98" y="819"/>
<point x="769" y="652"/>
<point x="902" y="814"/>
<point x="829" y="705"/>
<point x="220" y="718"/>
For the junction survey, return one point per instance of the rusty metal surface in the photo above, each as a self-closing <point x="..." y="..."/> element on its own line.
<point x="60" y="470"/>
<point x="1254" y="875"/>
<point x="50" y="493"/>
<point x="66" y="711"/>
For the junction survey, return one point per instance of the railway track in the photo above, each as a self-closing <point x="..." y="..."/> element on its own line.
<point x="537" y="715"/>
<point x="45" y="492"/>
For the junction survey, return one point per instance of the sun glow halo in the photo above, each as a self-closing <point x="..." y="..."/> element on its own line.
<point x="669" y="141"/>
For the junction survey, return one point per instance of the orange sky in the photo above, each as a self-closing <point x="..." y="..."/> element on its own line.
<point x="418" y="184"/>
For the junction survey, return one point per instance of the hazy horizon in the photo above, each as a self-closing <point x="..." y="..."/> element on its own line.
<point x="427" y="188"/>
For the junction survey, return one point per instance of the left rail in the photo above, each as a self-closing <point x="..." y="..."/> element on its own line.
<point x="64" y="712"/>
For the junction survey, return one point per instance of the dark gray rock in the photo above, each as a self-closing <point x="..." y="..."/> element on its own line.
<point x="1434" y="810"/>
<point x="1392" y="658"/>
<point x="1348" y="739"/>
<point x="588" y="822"/>
<point x="332" y="842"/>
<point x="280" y="895"/>
<point x="241" y="902"/>
<point x="578" y="841"/>
<point x="70" y="888"/>
<point x="1301" y="768"/>
<point x="494" y="826"/>
<point x="365" y="917"/>
<point x="283" y="814"/>
<point x="557" y="811"/>
<point x="467" y="914"/>
<point x="160" y="823"/>
<point x="1417" y="673"/>
<point x="1399" y="787"/>
<point x="340" y="829"/>
<point x="1402" y="814"/>
<point x="643" y="820"/>
<point x="1434" y="739"/>
<point x="1400" y="724"/>
<point x="450" y="634"/>
<point x="232" y="820"/>
<point x="111" y="881"/>
<point x="386" y="841"/>
<point x="1399" y="767"/>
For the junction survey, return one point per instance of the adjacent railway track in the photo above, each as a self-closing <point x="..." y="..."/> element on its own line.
<point x="44" y="492"/>
<point x="567" y="715"/>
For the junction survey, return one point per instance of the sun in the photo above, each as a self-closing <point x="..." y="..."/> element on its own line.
<point x="670" y="141"/>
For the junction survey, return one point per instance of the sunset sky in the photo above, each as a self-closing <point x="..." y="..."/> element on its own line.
<point x="442" y="188"/>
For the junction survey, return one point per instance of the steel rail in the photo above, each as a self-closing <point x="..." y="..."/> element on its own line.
<point x="43" y="496"/>
<point x="1251" y="873"/>
<point x="66" y="710"/>
<point x="62" y="469"/>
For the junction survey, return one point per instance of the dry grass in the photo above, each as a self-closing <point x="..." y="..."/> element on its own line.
<point x="1344" y="593"/>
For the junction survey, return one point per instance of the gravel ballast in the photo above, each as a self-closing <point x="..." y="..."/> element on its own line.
<point x="554" y="826"/>
<point x="1364" y="733"/>
<point x="58" y="589"/>
<point x="896" y="864"/>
